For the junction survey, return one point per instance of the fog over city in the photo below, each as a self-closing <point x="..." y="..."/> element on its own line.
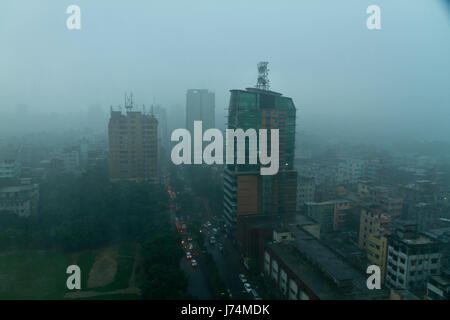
<point x="232" y="151"/>
<point x="344" y="80"/>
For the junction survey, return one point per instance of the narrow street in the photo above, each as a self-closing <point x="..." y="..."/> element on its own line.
<point x="198" y="285"/>
<point x="230" y="266"/>
<point x="227" y="260"/>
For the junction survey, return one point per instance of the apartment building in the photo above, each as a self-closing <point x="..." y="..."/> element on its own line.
<point x="133" y="146"/>
<point x="22" y="199"/>
<point x="412" y="258"/>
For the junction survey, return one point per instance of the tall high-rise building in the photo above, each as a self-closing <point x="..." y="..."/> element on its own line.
<point x="200" y="106"/>
<point x="246" y="191"/>
<point x="161" y="115"/>
<point x="133" y="145"/>
<point x="163" y="138"/>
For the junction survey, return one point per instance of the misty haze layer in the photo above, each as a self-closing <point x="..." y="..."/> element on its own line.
<point x="343" y="78"/>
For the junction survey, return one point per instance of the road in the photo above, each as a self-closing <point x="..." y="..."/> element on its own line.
<point x="228" y="261"/>
<point x="198" y="285"/>
<point x="229" y="265"/>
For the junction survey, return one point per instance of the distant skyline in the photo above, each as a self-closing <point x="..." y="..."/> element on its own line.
<point x="391" y="81"/>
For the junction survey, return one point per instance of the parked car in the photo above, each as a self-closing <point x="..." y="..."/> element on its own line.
<point x="243" y="278"/>
<point x="248" y="287"/>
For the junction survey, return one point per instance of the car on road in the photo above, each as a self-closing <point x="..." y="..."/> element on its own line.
<point x="188" y="255"/>
<point x="248" y="287"/>
<point x="194" y="263"/>
<point x="243" y="278"/>
<point x="212" y="240"/>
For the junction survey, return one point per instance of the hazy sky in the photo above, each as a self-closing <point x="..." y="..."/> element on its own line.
<point x="320" y="53"/>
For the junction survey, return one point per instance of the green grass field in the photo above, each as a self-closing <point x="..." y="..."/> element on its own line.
<point x="42" y="274"/>
<point x="33" y="275"/>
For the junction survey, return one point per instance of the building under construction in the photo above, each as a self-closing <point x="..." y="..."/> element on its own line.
<point x="245" y="190"/>
<point x="133" y="144"/>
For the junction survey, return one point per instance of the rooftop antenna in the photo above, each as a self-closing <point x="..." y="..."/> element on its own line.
<point x="129" y="102"/>
<point x="263" y="76"/>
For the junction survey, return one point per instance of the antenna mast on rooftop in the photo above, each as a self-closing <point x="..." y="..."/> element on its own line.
<point x="263" y="76"/>
<point x="129" y="101"/>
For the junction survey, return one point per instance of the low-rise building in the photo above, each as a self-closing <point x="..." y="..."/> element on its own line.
<point x="253" y="231"/>
<point x="373" y="221"/>
<point x="349" y="171"/>
<point x="306" y="189"/>
<point x="9" y="169"/>
<point x="377" y="253"/>
<point x="22" y="200"/>
<point x="438" y="287"/>
<point x="305" y="269"/>
<point x="412" y="258"/>
<point x="323" y="213"/>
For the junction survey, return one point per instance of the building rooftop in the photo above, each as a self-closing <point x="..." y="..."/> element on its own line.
<point x="309" y="275"/>
<point x="331" y="263"/>
<point x="322" y="270"/>
<point x="13" y="189"/>
<point x="442" y="280"/>
<point x="278" y="222"/>
<point x="442" y="234"/>
<point x="421" y="239"/>
<point x="327" y="202"/>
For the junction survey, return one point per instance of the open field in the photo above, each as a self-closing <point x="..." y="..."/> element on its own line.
<point x="106" y="273"/>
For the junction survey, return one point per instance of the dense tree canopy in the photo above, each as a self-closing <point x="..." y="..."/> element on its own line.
<point x="84" y="212"/>
<point x="78" y="213"/>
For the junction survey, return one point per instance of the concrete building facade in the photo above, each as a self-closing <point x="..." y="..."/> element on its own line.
<point x="412" y="258"/>
<point x="133" y="146"/>
<point x="245" y="190"/>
